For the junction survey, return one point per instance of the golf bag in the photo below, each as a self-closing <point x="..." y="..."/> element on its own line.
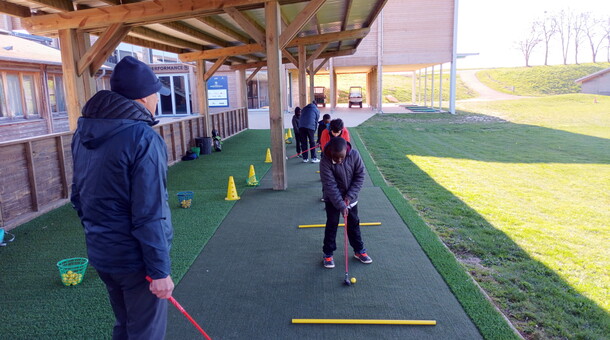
<point x="216" y="140"/>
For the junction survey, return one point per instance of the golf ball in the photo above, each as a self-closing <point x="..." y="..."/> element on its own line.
<point x="352" y="280"/>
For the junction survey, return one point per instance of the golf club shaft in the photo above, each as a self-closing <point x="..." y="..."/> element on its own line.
<point x="345" y="248"/>
<point x="184" y="312"/>
<point x="302" y="152"/>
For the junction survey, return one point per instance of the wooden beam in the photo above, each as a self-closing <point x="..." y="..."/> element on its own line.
<point x="276" y="117"/>
<point x="253" y="73"/>
<point x="316" y="54"/>
<point x="60" y="5"/>
<point x="348" y="7"/>
<point x="289" y="56"/>
<point x="330" y="37"/>
<point x="152" y="44"/>
<point x="102" y="48"/>
<point x="242" y="91"/>
<point x="247" y="25"/>
<point x="195" y="33"/>
<point x="341" y="53"/>
<point x="221" y="52"/>
<point x="255" y="48"/>
<point x="321" y="65"/>
<point x="217" y="25"/>
<point x="73" y="83"/>
<point x="14" y="9"/>
<point x="164" y="38"/>
<point x="302" y="79"/>
<point x="139" y="13"/>
<point x="209" y="73"/>
<point x="202" y="97"/>
<point x="375" y="13"/>
<point x="301" y="20"/>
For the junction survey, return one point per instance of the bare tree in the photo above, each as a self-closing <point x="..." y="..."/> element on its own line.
<point x="593" y="29"/>
<point x="547" y="28"/>
<point x="563" y="21"/>
<point x="527" y="45"/>
<point x="578" y="29"/>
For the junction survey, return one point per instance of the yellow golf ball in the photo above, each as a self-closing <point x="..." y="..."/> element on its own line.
<point x="352" y="280"/>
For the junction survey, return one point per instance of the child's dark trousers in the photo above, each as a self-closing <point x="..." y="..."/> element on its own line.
<point x="353" y="229"/>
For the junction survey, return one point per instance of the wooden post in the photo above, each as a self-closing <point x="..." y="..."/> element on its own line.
<point x="78" y="88"/>
<point x="276" y="116"/>
<point x="242" y="88"/>
<point x="302" y="79"/>
<point x="333" y="86"/>
<point x="202" y="98"/>
<point x="312" y="73"/>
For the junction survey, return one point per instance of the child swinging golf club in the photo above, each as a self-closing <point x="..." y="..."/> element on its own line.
<point x="342" y="173"/>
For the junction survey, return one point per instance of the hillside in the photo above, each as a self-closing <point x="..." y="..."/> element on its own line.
<point x="538" y="80"/>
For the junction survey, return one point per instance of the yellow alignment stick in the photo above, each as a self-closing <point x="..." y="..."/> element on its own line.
<point x="368" y="322"/>
<point x="340" y="225"/>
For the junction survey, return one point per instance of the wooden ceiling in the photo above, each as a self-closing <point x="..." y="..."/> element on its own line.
<point x="230" y="32"/>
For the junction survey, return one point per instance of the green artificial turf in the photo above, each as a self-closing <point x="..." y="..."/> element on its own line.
<point x="488" y="320"/>
<point x="35" y="304"/>
<point x="520" y="196"/>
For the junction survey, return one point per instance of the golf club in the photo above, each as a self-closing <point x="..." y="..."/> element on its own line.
<point x="183" y="311"/>
<point x="346" y="281"/>
<point x="302" y="152"/>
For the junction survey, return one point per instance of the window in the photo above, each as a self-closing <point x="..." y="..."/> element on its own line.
<point x="57" y="97"/>
<point x="19" y="95"/>
<point x="3" y="109"/>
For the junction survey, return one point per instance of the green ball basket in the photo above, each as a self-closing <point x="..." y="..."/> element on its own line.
<point x="72" y="271"/>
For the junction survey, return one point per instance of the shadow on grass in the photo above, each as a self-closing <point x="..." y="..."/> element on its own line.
<point x="536" y="299"/>
<point x="492" y="139"/>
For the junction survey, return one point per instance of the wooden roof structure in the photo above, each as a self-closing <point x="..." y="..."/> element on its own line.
<point x="232" y="30"/>
<point x="240" y="33"/>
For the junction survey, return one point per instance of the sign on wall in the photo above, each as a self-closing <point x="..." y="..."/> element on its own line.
<point x="218" y="91"/>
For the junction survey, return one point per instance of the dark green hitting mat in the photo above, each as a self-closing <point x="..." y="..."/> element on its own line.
<point x="259" y="271"/>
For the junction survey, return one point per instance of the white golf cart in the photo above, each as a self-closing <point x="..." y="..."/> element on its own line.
<point x="355" y="96"/>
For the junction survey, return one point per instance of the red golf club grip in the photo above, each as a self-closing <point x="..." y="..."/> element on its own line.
<point x="183" y="311"/>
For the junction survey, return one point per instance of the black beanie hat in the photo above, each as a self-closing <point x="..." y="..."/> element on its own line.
<point x="133" y="79"/>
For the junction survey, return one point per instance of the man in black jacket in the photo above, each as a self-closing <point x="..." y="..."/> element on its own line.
<point x="119" y="191"/>
<point x="308" y="123"/>
<point x="295" y="127"/>
<point x="342" y="173"/>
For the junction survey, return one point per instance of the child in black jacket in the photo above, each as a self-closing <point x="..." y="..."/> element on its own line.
<point x="342" y="173"/>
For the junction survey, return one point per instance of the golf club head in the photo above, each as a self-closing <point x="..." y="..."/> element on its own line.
<point x="347" y="281"/>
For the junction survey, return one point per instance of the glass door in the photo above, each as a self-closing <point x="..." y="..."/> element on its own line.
<point x="179" y="102"/>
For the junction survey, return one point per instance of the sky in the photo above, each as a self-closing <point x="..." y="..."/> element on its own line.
<point x="492" y="28"/>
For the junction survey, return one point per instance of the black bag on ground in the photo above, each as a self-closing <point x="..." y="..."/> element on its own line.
<point x="216" y="140"/>
<point x="190" y="155"/>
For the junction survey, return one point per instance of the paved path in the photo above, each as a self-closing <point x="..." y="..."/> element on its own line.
<point x="485" y="93"/>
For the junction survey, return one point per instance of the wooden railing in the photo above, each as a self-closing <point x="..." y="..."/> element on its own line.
<point x="36" y="173"/>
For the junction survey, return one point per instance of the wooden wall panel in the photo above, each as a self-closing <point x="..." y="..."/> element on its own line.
<point x="53" y="180"/>
<point x="15" y="193"/>
<point x="48" y="176"/>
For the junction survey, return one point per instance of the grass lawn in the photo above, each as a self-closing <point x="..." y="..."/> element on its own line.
<point x="538" y="80"/>
<point x="35" y="305"/>
<point x="520" y="194"/>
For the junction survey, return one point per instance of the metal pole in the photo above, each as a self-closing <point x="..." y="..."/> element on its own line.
<point x="453" y="59"/>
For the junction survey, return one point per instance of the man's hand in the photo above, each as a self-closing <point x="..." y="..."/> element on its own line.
<point x="162" y="288"/>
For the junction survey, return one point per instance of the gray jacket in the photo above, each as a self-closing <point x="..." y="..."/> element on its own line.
<point x="343" y="180"/>
<point x="309" y="117"/>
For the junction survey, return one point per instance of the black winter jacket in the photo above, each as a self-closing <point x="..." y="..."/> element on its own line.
<point x="340" y="181"/>
<point x="309" y="117"/>
<point x="119" y="187"/>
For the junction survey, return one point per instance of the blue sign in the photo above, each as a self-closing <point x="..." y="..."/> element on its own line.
<point x="218" y="91"/>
